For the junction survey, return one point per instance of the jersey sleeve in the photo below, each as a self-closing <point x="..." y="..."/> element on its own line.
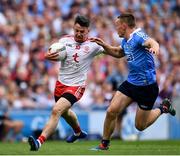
<point x="63" y="40"/>
<point x="142" y="37"/>
<point x="98" y="49"/>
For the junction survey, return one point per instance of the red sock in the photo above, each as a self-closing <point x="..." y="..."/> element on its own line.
<point x="42" y="139"/>
<point x="77" y="129"/>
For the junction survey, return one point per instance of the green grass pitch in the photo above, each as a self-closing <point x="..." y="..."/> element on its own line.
<point x="83" y="148"/>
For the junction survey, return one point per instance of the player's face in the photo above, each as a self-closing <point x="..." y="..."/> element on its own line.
<point x="80" y="33"/>
<point x="120" y="27"/>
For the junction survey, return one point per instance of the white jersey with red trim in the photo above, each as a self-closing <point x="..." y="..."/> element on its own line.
<point x="73" y="70"/>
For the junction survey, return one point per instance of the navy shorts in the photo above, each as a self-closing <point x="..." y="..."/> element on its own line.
<point x="145" y="96"/>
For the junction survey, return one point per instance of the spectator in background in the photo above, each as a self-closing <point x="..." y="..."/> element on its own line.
<point x="10" y="130"/>
<point x="32" y="27"/>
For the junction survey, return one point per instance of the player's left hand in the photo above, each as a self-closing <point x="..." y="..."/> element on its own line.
<point x="154" y="51"/>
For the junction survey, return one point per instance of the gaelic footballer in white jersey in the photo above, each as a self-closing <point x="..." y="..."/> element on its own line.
<point x="73" y="70"/>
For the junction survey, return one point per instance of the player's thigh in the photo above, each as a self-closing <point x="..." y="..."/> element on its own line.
<point x="142" y="116"/>
<point x="62" y="105"/>
<point x="119" y="102"/>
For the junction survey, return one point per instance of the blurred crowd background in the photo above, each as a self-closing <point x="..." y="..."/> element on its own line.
<point x="28" y="27"/>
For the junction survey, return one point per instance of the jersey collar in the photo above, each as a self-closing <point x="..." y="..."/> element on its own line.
<point x="131" y="35"/>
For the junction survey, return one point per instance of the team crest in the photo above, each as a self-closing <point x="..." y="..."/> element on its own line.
<point x="86" y="49"/>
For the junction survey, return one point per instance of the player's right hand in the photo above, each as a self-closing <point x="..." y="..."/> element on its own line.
<point x="52" y="55"/>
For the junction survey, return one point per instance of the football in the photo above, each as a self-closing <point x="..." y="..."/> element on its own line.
<point x="59" y="47"/>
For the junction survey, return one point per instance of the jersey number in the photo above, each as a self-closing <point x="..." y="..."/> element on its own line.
<point x="130" y="57"/>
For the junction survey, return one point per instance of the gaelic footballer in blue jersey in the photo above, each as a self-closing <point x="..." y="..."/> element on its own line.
<point x="141" y="85"/>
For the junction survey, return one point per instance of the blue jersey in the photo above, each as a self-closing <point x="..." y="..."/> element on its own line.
<point x="140" y="60"/>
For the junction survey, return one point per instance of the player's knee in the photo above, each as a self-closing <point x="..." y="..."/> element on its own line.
<point x="65" y="115"/>
<point x="56" y="111"/>
<point x="112" y="112"/>
<point x="139" y="126"/>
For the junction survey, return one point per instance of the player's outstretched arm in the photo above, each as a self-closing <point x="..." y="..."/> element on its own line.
<point x="152" y="45"/>
<point x="52" y="56"/>
<point x="108" y="49"/>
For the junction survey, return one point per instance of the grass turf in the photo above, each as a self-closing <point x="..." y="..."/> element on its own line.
<point x="83" y="148"/>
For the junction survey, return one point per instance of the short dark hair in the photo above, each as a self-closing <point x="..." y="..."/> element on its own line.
<point x="128" y="18"/>
<point x="82" y="21"/>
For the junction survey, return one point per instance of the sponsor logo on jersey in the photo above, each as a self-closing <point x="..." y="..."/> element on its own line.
<point x="68" y="45"/>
